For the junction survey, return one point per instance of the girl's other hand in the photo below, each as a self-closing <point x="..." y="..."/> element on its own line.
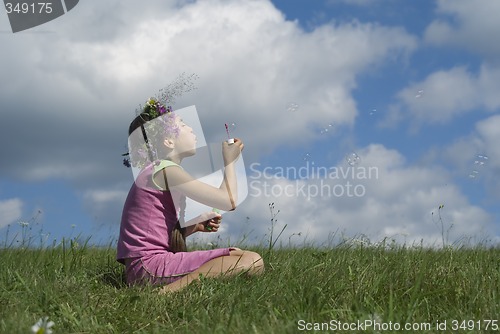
<point x="211" y="224"/>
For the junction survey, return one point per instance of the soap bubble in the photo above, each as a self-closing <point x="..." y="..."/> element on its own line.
<point x="479" y="162"/>
<point x="473" y="174"/>
<point x="307" y="157"/>
<point x="326" y="129"/>
<point x="352" y="159"/>
<point x="292" y="107"/>
<point x="373" y="112"/>
<point x="419" y="94"/>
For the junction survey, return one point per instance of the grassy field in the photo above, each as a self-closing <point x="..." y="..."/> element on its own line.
<point x="80" y="289"/>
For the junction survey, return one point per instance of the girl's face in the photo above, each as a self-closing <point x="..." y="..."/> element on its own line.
<point x="185" y="143"/>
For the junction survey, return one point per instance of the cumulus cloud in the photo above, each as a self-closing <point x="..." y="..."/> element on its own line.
<point x="447" y="94"/>
<point x="250" y="60"/>
<point x="72" y="92"/>
<point x="352" y="2"/>
<point x="10" y="211"/>
<point x="105" y="204"/>
<point x="474" y="157"/>
<point x="466" y="24"/>
<point x="397" y="201"/>
<point x="489" y="135"/>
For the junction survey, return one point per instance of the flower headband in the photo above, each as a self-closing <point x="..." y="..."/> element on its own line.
<point x="160" y="122"/>
<point x="154" y="108"/>
<point x="145" y="141"/>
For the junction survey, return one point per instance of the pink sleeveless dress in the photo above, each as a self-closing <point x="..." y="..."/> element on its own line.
<point x="149" y="216"/>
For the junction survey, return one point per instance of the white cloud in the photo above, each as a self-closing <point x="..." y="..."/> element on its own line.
<point x="447" y="94"/>
<point x="488" y="130"/>
<point x="86" y="78"/>
<point x="83" y="86"/>
<point x="465" y="156"/>
<point x="353" y="2"/>
<point x="105" y="196"/>
<point x="472" y="25"/>
<point x="402" y="203"/>
<point x="10" y="211"/>
<point x="489" y="135"/>
<point x="105" y="205"/>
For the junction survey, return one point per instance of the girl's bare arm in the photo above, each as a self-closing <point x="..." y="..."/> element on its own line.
<point x="224" y="197"/>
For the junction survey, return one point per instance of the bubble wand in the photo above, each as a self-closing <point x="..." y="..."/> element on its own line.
<point x="229" y="139"/>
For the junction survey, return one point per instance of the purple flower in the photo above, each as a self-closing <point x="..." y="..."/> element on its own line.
<point x="161" y="109"/>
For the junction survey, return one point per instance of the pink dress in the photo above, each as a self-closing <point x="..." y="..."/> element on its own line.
<point x="148" y="218"/>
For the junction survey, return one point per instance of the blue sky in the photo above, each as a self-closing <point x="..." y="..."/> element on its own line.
<point x="409" y="87"/>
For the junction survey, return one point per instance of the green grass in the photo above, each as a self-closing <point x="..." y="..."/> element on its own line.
<point x="81" y="289"/>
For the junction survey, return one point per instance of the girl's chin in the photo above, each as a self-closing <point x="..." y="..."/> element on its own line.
<point x="190" y="152"/>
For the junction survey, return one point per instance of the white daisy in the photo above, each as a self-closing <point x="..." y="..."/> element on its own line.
<point x="42" y="326"/>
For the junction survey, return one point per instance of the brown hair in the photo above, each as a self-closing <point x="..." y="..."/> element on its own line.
<point x="178" y="239"/>
<point x="178" y="234"/>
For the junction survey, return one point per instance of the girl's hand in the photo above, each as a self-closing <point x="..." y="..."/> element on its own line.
<point x="231" y="152"/>
<point x="212" y="224"/>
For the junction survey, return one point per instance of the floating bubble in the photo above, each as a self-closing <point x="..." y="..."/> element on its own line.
<point x="373" y="112"/>
<point x="324" y="130"/>
<point x="292" y="107"/>
<point x="479" y="162"/>
<point x="308" y="157"/>
<point x="473" y="174"/>
<point x="231" y="125"/>
<point x="352" y="159"/>
<point x="419" y="94"/>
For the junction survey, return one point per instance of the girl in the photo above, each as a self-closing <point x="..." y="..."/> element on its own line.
<point x="152" y="244"/>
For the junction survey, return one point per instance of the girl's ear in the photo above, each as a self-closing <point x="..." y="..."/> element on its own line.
<point x="169" y="143"/>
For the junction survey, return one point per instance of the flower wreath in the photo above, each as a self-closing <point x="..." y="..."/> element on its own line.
<point x="160" y="123"/>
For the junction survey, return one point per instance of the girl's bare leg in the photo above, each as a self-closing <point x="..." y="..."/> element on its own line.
<point x="238" y="261"/>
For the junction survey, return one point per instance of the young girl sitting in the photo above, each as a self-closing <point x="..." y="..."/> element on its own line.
<point x="152" y="242"/>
